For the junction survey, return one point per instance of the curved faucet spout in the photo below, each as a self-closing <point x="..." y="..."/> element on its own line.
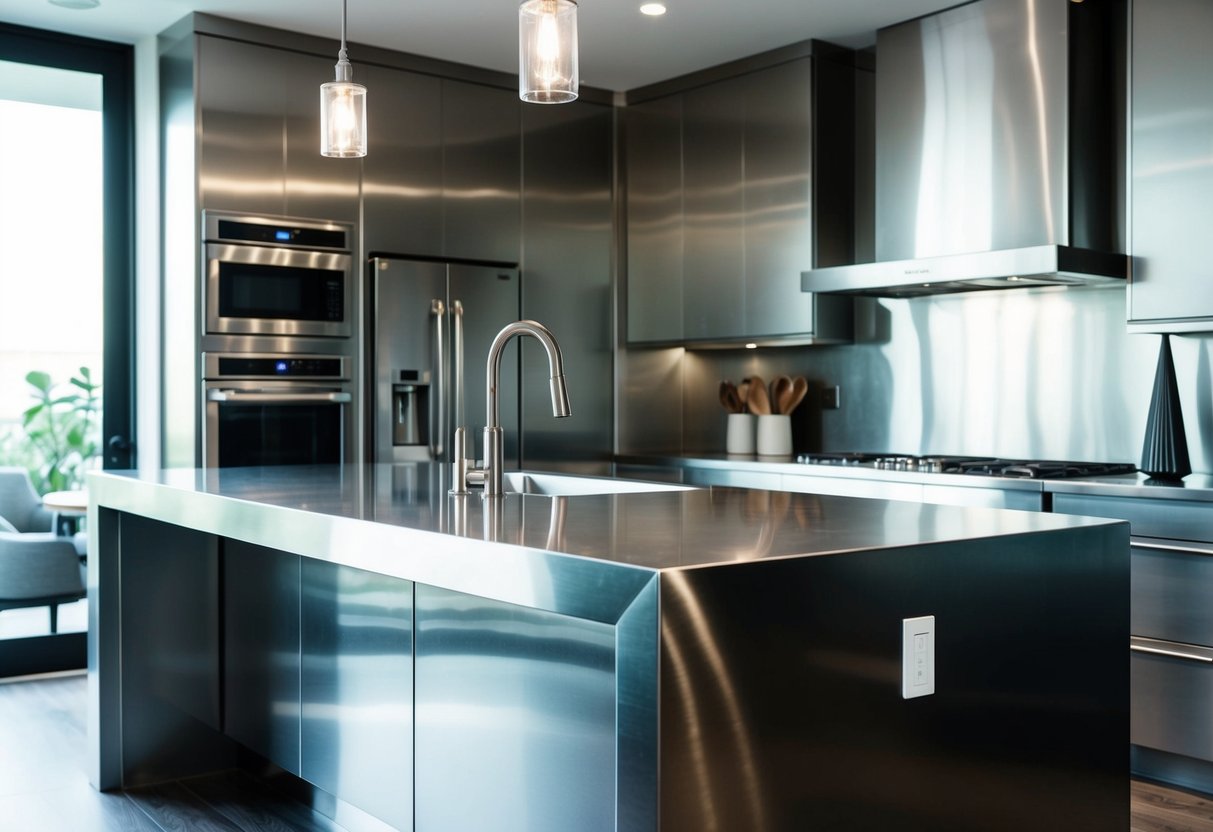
<point x="560" y="396"/>
<point x="489" y="476"/>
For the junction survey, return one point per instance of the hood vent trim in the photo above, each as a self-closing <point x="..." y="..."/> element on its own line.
<point x="1007" y="269"/>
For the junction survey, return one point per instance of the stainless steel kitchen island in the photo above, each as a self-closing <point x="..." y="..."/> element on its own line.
<point x="680" y="660"/>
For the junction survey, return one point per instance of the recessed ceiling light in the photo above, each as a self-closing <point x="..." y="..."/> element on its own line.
<point x="653" y="9"/>
<point x="76" y="4"/>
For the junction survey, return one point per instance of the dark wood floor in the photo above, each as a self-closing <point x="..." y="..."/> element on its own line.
<point x="44" y="783"/>
<point x="44" y="786"/>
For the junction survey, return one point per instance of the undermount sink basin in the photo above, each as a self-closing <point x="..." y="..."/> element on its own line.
<point x="564" y="485"/>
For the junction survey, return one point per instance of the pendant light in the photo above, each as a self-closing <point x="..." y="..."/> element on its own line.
<point x="547" y="51"/>
<point x="343" y="109"/>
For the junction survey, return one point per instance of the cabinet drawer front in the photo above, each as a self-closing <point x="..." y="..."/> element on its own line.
<point x="1170" y="595"/>
<point x="1170" y="704"/>
<point x="1173" y="519"/>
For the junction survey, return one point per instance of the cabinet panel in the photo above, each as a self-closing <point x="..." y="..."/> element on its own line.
<point x="568" y="237"/>
<point x="481" y="172"/>
<point x="261" y="651"/>
<point x="315" y="186"/>
<point x="240" y="164"/>
<point x="1171" y="595"/>
<point x="1171" y="699"/>
<point x="402" y="171"/>
<point x="1172" y="194"/>
<point x="515" y="717"/>
<point x="654" y="219"/>
<point x="778" y="199"/>
<point x="357" y="689"/>
<point x="714" y="296"/>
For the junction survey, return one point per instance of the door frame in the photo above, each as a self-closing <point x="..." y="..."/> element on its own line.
<point x="115" y="63"/>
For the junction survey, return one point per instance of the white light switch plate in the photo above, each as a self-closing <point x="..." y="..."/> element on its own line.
<point x="917" y="656"/>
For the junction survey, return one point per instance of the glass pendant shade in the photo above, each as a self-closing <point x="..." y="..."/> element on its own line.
<point x="547" y="51"/>
<point x="342" y="119"/>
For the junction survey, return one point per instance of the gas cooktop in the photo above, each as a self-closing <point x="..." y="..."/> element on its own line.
<point x="976" y="466"/>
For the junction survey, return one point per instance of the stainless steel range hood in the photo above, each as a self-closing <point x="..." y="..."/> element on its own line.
<point x="999" y="152"/>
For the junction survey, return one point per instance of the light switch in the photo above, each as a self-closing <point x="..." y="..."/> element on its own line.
<point x="917" y="656"/>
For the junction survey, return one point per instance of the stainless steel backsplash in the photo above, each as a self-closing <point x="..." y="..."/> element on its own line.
<point x="1049" y="373"/>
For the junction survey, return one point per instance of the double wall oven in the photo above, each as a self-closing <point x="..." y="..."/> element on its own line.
<point x="278" y="344"/>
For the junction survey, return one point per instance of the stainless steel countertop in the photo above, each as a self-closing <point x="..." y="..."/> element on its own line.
<point x="1196" y="487"/>
<point x="399" y="520"/>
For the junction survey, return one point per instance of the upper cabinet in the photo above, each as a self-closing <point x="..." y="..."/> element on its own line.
<point x="1172" y="193"/>
<point x="402" y="171"/>
<point x="259" y="142"/>
<point x="721" y="202"/>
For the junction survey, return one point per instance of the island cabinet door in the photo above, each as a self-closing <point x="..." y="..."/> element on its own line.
<point x="515" y="718"/>
<point x="261" y="651"/>
<point x="357" y="689"/>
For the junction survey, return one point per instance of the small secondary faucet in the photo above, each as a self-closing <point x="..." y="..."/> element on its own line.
<point x="490" y="475"/>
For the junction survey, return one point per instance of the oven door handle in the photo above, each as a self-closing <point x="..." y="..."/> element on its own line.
<point x="242" y="397"/>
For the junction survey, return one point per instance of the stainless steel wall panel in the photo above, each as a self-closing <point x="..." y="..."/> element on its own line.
<point x="481" y="172"/>
<point x="1172" y="184"/>
<point x="515" y="717"/>
<point x="778" y="218"/>
<point x="567" y="239"/>
<point x="651" y="408"/>
<point x="490" y="298"/>
<point x="1039" y="373"/>
<point x="241" y="136"/>
<point x="180" y="257"/>
<point x="261" y="651"/>
<point x="653" y="159"/>
<point x="972" y="142"/>
<point x="315" y="186"/>
<point x="713" y="268"/>
<point x="402" y="171"/>
<point x="356" y="739"/>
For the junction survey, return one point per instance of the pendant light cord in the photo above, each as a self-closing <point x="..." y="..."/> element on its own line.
<point x="342" y="56"/>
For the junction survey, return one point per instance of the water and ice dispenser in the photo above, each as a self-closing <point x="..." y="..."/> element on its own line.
<point x="410" y="408"/>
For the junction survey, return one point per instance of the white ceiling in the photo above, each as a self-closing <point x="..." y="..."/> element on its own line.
<point x="620" y="48"/>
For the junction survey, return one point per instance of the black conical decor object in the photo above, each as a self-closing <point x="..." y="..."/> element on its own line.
<point x="1164" y="455"/>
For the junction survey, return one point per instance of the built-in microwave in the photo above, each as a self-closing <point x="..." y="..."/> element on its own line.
<point x="277" y="276"/>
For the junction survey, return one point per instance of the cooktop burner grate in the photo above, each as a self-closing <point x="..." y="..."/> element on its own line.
<point x="975" y="466"/>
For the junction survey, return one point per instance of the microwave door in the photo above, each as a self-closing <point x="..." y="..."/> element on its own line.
<point x="409" y="382"/>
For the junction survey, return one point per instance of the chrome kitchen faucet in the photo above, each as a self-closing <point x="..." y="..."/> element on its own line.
<point x="465" y="472"/>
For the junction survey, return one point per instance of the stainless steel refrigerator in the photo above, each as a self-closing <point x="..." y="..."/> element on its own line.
<point x="427" y="319"/>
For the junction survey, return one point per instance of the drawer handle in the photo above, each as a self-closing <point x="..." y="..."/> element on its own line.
<point x="1166" y="648"/>
<point x="1139" y="543"/>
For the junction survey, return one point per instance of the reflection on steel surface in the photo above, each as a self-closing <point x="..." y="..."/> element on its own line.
<point x="696" y="632"/>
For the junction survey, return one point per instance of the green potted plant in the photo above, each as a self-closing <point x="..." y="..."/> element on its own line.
<point x="63" y="429"/>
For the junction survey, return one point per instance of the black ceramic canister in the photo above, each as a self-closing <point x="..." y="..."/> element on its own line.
<point x="1164" y="454"/>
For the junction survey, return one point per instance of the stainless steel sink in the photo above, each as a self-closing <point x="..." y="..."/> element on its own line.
<point x="564" y="485"/>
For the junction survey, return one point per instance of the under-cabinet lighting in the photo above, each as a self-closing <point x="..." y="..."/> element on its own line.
<point x="343" y="109"/>
<point x="547" y="51"/>
<point x="751" y="346"/>
<point x="76" y="4"/>
<point x="653" y="9"/>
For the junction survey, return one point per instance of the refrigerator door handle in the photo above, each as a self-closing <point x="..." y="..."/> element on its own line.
<point x="457" y="362"/>
<point x="438" y="425"/>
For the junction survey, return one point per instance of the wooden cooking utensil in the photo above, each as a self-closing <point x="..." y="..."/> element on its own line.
<point x="781" y="388"/>
<point x="743" y="393"/>
<point x="758" y="400"/>
<point x="796" y="395"/>
<point x="729" y="398"/>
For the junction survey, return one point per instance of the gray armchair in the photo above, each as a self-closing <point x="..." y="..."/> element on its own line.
<point x="20" y="504"/>
<point x="39" y="570"/>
